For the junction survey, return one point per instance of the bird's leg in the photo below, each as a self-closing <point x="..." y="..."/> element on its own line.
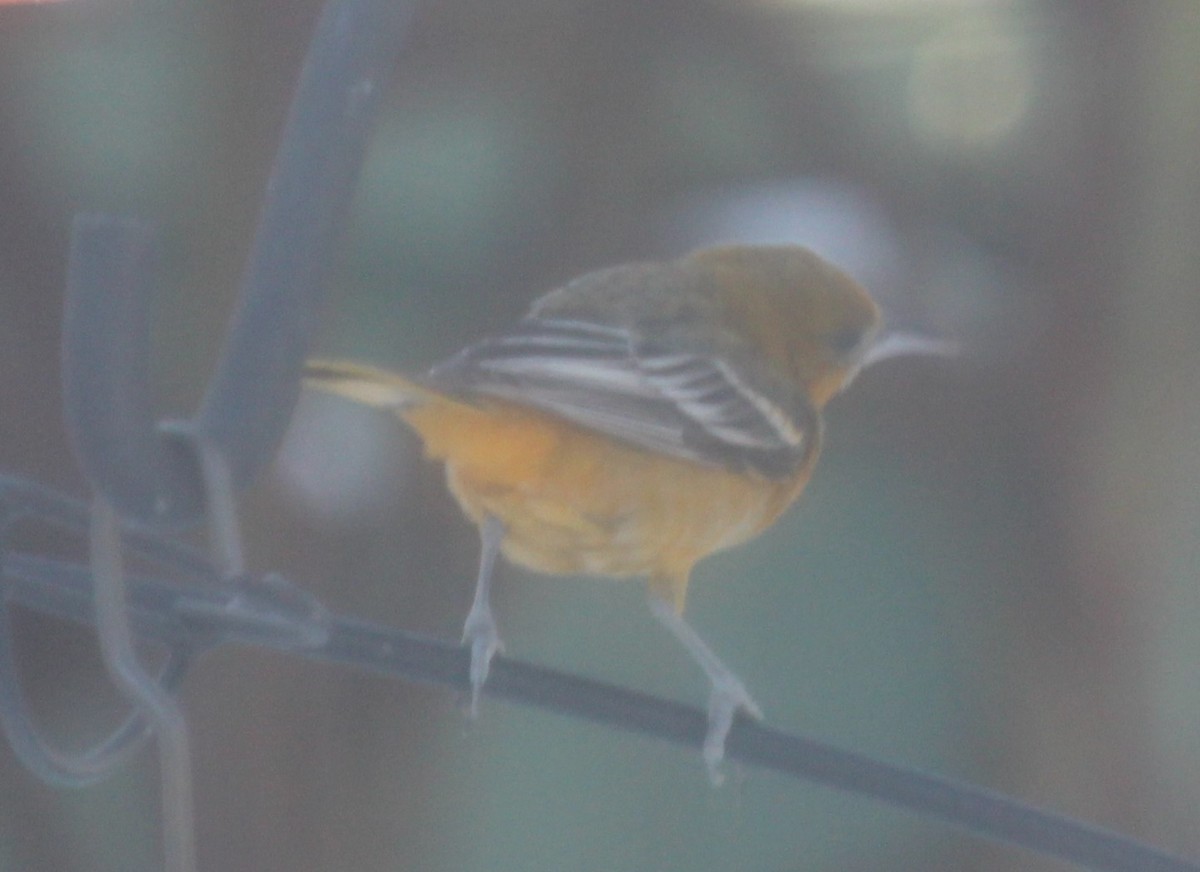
<point x="479" y="630"/>
<point x="728" y="694"/>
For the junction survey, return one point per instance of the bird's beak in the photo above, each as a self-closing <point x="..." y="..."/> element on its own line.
<point x="898" y="344"/>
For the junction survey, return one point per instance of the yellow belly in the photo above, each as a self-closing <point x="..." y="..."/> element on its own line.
<point x="573" y="501"/>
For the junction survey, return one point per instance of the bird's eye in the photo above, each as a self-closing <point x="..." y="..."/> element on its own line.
<point x="846" y="340"/>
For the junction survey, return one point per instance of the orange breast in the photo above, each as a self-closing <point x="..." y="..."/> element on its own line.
<point x="575" y="501"/>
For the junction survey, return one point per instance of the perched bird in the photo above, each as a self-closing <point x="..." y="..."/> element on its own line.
<point x="637" y="420"/>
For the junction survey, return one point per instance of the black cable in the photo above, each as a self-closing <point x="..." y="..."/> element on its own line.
<point x="270" y="613"/>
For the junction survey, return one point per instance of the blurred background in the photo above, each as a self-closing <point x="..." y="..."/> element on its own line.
<point x="992" y="574"/>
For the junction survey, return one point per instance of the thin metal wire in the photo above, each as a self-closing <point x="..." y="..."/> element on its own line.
<point x="160" y="708"/>
<point x="60" y="768"/>
<point x="116" y="643"/>
<point x="225" y="538"/>
<point x="202" y="616"/>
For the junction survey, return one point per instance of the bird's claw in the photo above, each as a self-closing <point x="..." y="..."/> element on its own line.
<point x="481" y="635"/>
<point x="728" y="697"/>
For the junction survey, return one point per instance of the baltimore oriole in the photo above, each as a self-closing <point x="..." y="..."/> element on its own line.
<point x="637" y="420"/>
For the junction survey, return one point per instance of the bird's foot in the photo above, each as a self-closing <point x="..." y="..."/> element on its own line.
<point x="728" y="697"/>
<point x="480" y="633"/>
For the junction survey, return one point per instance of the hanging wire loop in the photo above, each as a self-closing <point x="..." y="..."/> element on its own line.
<point x="20" y="501"/>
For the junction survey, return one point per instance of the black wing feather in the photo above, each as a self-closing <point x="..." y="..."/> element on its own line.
<point x="638" y="389"/>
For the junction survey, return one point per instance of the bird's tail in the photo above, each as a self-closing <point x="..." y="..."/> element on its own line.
<point x="364" y="384"/>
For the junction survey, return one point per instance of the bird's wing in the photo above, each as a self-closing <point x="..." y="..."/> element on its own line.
<point x="636" y="388"/>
